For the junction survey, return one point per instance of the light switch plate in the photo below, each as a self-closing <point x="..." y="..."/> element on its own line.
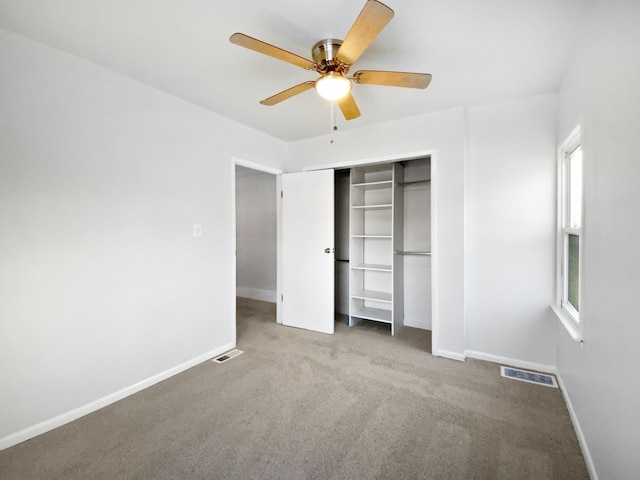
<point x="197" y="230"/>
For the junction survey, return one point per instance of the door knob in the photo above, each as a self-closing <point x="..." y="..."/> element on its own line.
<point x="329" y="250"/>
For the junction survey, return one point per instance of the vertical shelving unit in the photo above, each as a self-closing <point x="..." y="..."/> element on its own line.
<point x="375" y="284"/>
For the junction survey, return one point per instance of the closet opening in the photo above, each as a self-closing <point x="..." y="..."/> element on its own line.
<point x="383" y="246"/>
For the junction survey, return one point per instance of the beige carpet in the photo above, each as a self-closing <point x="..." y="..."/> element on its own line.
<point x="359" y="404"/>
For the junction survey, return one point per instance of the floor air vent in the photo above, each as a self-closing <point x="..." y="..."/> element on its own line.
<point x="227" y="356"/>
<point x="527" y="376"/>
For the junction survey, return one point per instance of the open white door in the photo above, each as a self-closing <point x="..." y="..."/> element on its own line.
<point x="307" y="250"/>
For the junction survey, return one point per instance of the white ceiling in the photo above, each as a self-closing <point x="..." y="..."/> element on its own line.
<point x="479" y="52"/>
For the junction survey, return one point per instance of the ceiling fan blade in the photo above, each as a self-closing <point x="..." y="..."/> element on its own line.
<point x="288" y="93"/>
<point x="372" y="19"/>
<point x="348" y="106"/>
<point x="268" y="49"/>
<point x="393" y="79"/>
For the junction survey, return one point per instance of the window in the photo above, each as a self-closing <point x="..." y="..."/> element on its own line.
<point x="570" y="236"/>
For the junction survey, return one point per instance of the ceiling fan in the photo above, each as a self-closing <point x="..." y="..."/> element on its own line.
<point x="332" y="59"/>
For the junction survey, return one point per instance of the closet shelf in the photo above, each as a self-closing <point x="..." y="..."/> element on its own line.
<point x="415" y="182"/>
<point x="373" y="267"/>
<point x="373" y="185"/>
<point x="370" y="236"/>
<point x="372" y="207"/>
<point x="376" y="314"/>
<point x="373" y="295"/>
<point x="400" y="252"/>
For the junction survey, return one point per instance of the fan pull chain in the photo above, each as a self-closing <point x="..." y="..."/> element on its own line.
<point x="333" y="127"/>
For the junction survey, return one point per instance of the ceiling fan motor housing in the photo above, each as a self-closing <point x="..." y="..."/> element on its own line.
<point x="324" y="55"/>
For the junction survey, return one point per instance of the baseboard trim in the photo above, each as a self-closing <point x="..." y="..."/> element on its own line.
<point x="70" y="416"/>
<point x="460" y="357"/>
<point x="512" y="362"/>
<point x="591" y="468"/>
<point x="257" y="294"/>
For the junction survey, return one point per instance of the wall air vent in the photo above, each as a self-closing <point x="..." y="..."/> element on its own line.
<point x="527" y="376"/>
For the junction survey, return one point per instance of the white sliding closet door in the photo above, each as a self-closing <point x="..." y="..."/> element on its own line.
<point x="308" y="250"/>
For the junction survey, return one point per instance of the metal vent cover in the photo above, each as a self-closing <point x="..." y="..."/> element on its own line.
<point x="528" y="376"/>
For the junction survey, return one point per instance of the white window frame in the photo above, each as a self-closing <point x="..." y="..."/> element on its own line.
<point x="569" y="316"/>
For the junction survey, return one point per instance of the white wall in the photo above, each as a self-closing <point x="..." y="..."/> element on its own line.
<point x="444" y="133"/>
<point x="256" y="243"/>
<point x="102" y="284"/>
<point x="510" y="231"/>
<point x="600" y="92"/>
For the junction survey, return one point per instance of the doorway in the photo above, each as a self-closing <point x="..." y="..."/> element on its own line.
<point x="255" y="239"/>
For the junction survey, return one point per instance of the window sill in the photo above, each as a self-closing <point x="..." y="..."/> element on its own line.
<point x="569" y="325"/>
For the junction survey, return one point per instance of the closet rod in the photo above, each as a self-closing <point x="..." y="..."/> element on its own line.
<point x="401" y="252"/>
<point x="414" y="182"/>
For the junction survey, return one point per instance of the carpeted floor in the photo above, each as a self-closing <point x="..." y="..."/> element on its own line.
<point x="359" y="404"/>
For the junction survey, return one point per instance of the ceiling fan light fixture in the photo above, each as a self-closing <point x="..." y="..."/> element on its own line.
<point x="333" y="86"/>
